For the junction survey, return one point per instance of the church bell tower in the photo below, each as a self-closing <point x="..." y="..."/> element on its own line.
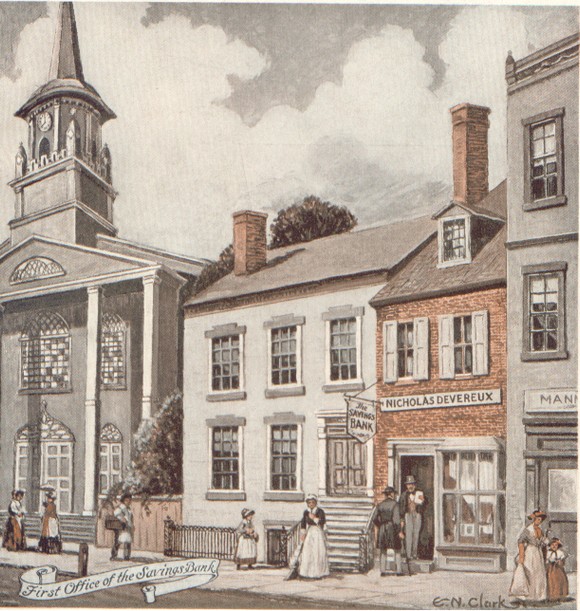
<point x="63" y="183"/>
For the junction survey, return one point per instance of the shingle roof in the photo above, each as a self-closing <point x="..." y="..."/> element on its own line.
<point x="356" y="252"/>
<point x="420" y="277"/>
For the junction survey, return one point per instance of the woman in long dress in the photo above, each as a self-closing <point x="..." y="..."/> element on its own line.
<point x="247" y="550"/>
<point x="556" y="574"/>
<point x="531" y="585"/>
<point x="313" y="562"/>
<point x="14" y="534"/>
<point x="50" y="542"/>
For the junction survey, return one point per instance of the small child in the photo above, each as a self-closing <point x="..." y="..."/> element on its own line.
<point x="557" y="580"/>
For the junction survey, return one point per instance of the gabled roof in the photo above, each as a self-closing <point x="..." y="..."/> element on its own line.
<point x="79" y="264"/>
<point x="182" y="264"/>
<point x="493" y="206"/>
<point x="420" y="277"/>
<point x="358" y="252"/>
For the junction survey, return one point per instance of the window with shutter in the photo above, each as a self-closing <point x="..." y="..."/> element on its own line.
<point x="390" y="341"/>
<point x="421" y="354"/>
<point x="480" y="343"/>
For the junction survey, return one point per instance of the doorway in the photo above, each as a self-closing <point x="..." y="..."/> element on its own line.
<point x="347" y="467"/>
<point x="423" y="469"/>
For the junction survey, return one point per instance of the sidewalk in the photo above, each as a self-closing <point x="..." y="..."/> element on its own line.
<point x="421" y="591"/>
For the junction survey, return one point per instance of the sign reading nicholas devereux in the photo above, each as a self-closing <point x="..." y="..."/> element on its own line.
<point x="442" y="399"/>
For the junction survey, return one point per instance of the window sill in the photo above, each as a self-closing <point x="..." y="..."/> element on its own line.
<point x="238" y="395"/>
<point x="284" y="391"/>
<point x="444" y="264"/>
<point x="405" y="382"/>
<point x="545" y="356"/>
<point x="225" y="495"/>
<point x="44" y="391"/>
<point x="111" y="387"/>
<point x="343" y="386"/>
<point x="283" y="495"/>
<point x="547" y="202"/>
<point x="462" y="547"/>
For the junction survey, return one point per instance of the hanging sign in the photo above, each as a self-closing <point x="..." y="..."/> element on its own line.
<point x="361" y="419"/>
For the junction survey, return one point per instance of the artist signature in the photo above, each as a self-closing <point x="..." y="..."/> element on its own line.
<point x="473" y="602"/>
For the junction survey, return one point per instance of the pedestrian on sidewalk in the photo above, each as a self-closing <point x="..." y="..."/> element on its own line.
<point x="313" y="561"/>
<point x="50" y="541"/>
<point x="556" y="574"/>
<point x="247" y="550"/>
<point x="529" y="581"/>
<point x="14" y="532"/>
<point x="390" y="535"/>
<point x="411" y="507"/>
<point x="124" y="537"/>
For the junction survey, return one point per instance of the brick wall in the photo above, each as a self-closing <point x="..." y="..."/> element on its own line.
<point x="472" y="421"/>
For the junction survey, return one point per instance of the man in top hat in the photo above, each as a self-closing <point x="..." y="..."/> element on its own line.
<point x="388" y="518"/>
<point x="411" y="506"/>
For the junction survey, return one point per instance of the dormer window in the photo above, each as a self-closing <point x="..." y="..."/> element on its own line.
<point x="454" y="241"/>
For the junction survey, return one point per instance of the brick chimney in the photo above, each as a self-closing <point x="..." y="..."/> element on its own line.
<point x="249" y="241"/>
<point x="470" y="154"/>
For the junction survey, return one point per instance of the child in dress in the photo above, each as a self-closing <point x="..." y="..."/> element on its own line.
<point x="557" y="580"/>
<point x="247" y="550"/>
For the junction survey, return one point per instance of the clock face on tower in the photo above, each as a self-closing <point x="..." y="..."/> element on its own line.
<point x="44" y="121"/>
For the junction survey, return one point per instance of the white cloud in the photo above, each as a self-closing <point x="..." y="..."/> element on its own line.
<point x="183" y="162"/>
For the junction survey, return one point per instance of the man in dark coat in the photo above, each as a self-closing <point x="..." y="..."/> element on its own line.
<point x="412" y="504"/>
<point x="388" y="519"/>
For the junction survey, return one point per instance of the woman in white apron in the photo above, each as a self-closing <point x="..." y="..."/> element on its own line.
<point x="247" y="550"/>
<point x="50" y="542"/>
<point x="313" y="562"/>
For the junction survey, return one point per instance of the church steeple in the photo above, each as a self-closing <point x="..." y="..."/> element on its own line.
<point x="66" y="55"/>
<point x="66" y="165"/>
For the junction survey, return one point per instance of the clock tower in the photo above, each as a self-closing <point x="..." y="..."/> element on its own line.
<point x="63" y="184"/>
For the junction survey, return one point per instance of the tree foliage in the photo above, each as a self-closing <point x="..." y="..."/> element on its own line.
<point x="309" y="220"/>
<point x="216" y="269"/>
<point x="157" y="463"/>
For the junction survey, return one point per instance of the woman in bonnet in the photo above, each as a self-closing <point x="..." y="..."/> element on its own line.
<point x="314" y="555"/>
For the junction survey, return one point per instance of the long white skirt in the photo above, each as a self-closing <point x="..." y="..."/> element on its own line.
<point x="314" y="556"/>
<point x="247" y="551"/>
<point x="535" y="575"/>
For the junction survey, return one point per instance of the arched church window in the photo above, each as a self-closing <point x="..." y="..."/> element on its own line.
<point x="36" y="268"/>
<point x="44" y="148"/>
<point x="113" y="348"/>
<point x="45" y="353"/>
<point x="111" y="452"/>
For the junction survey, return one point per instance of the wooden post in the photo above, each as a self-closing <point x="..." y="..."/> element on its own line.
<point x="83" y="560"/>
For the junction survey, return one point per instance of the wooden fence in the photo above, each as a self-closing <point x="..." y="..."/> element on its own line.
<point x="148" y="519"/>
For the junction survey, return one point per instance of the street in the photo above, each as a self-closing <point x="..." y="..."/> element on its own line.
<point x="131" y="596"/>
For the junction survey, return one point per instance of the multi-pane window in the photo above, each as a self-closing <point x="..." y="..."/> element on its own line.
<point x="45" y="353"/>
<point x="343" y="357"/>
<point x="544" y="160"/>
<point x="473" y="503"/>
<point x="34" y="269"/>
<point x="544" y="312"/>
<point x="225" y="356"/>
<point x="111" y="455"/>
<point x="225" y="458"/>
<point x="284" y="355"/>
<point x="57" y="471"/>
<point x="21" y="466"/>
<point x="405" y="342"/>
<point x="462" y="344"/>
<point x="454" y="240"/>
<point x="113" y="337"/>
<point x="284" y="456"/>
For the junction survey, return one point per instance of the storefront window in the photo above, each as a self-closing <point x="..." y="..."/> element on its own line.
<point x="471" y="500"/>
<point x="562" y="490"/>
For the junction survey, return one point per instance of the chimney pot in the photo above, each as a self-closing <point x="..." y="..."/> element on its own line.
<point x="470" y="153"/>
<point x="249" y="241"/>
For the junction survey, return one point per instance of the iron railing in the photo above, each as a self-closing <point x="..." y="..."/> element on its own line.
<point x="291" y="542"/>
<point x="366" y="545"/>
<point x="199" y="541"/>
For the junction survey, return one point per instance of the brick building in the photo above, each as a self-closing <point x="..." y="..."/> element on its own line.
<point x="441" y="366"/>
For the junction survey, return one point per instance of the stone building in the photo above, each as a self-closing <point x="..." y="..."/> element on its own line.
<point x="85" y="351"/>
<point x="542" y="242"/>
<point x="442" y="367"/>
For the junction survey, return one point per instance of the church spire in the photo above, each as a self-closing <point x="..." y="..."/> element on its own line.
<point x="66" y="55"/>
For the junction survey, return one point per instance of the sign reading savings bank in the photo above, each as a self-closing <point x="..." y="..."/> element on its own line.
<point x="442" y="399"/>
<point x="361" y="419"/>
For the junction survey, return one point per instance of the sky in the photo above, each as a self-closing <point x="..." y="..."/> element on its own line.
<point x="222" y="107"/>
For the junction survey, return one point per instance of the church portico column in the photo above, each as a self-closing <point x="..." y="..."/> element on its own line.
<point x="150" y="342"/>
<point x="92" y="405"/>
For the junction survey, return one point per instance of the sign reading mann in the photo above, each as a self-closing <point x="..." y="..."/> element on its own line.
<point x="361" y="419"/>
